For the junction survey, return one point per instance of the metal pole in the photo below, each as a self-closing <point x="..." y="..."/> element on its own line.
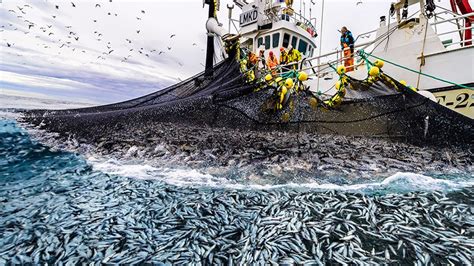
<point x="210" y="43"/>
<point x="320" y="41"/>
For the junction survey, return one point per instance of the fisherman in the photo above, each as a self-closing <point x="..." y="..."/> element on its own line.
<point x="272" y="62"/>
<point x="294" y="56"/>
<point x="262" y="59"/>
<point x="284" y="59"/>
<point x="253" y="60"/>
<point x="347" y="46"/>
<point x="288" y="11"/>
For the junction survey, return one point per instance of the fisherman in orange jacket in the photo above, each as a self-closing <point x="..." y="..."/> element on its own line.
<point x="272" y="62"/>
<point x="347" y="45"/>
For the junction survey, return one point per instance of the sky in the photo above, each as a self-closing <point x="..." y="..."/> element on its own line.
<point x="106" y="51"/>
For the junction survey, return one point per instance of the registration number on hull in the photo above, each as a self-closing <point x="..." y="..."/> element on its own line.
<point x="460" y="100"/>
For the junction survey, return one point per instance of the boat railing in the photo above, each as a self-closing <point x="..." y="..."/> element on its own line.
<point x="457" y="20"/>
<point x="323" y="62"/>
<point x="295" y="18"/>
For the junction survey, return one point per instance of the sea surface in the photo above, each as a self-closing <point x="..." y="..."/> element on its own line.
<point x="59" y="206"/>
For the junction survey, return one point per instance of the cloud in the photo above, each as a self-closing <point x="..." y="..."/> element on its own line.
<point x="43" y="81"/>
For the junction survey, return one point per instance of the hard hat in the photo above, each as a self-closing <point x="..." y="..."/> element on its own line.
<point x="403" y="82"/>
<point x="302" y="76"/>
<point x="244" y="62"/>
<point x="341" y="69"/>
<point x="374" y="71"/>
<point x="338" y="84"/>
<point x="379" y="63"/>
<point x="282" y="49"/>
<point x="268" y="77"/>
<point x="289" y="83"/>
<point x="271" y="53"/>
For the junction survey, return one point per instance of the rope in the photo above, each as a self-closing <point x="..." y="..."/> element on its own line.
<point x="422" y="57"/>
<point x="364" y="54"/>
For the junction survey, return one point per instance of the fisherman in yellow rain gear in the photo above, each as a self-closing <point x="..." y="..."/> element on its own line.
<point x="294" y="56"/>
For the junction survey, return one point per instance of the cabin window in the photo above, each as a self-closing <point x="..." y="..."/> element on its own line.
<point x="286" y="40"/>
<point x="259" y="42"/>
<point x="276" y="39"/>
<point x="303" y="47"/>
<point x="294" y="41"/>
<point x="267" y="42"/>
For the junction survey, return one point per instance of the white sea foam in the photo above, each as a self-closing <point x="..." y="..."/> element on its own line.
<point x="400" y="182"/>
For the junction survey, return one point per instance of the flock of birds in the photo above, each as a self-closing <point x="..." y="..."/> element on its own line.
<point x="73" y="40"/>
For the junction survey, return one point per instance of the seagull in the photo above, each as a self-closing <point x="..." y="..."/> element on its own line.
<point x="9" y="45"/>
<point x="11" y="10"/>
<point x="49" y="26"/>
<point x="73" y="5"/>
<point x="172" y="35"/>
<point x="95" y="20"/>
<point x="139" y="18"/>
<point x="30" y="26"/>
<point x="57" y="7"/>
<point x="111" y="51"/>
<point x="194" y="44"/>
<point x="54" y="16"/>
<point x="77" y="38"/>
<point x="143" y="11"/>
<point x="359" y="3"/>
<point x="97" y="5"/>
<point x="169" y="48"/>
<point x="50" y="34"/>
<point x="138" y="31"/>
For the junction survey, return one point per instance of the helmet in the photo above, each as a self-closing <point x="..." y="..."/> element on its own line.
<point x="271" y="53"/>
<point x="338" y="85"/>
<point x="403" y="82"/>
<point x="282" y="49"/>
<point x="289" y="83"/>
<point x="268" y="77"/>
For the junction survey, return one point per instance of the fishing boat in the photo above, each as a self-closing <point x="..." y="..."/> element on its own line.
<point x="315" y="94"/>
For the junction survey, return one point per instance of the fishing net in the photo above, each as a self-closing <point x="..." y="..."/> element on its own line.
<point x="381" y="107"/>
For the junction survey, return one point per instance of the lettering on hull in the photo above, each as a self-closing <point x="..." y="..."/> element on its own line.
<point x="460" y="100"/>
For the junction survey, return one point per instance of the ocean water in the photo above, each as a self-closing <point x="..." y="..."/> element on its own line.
<point x="59" y="206"/>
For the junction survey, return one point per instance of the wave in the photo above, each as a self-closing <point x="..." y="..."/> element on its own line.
<point x="400" y="182"/>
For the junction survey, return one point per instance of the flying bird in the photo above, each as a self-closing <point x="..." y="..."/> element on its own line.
<point x="169" y="48"/>
<point x="143" y="11"/>
<point x="194" y="44"/>
<point x="172" y="35"/>
<point x="30" y="26"/>
<point x="9" y="45"/>
<point x="57" y="7"/>
<point x="73" y="5"/>
<point x="97" y="5"/>
<point x="139" y="18"/>
<point x="161" y="52"/>
<point x="138" y="31"/>
<point x="111" y="51"/>
<point x="77" y="38"/>
<point x="359" y="3"/>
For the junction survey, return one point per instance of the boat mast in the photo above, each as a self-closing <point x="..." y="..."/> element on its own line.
<point x="210" y="40"/>
<point x="320" y="42"/>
